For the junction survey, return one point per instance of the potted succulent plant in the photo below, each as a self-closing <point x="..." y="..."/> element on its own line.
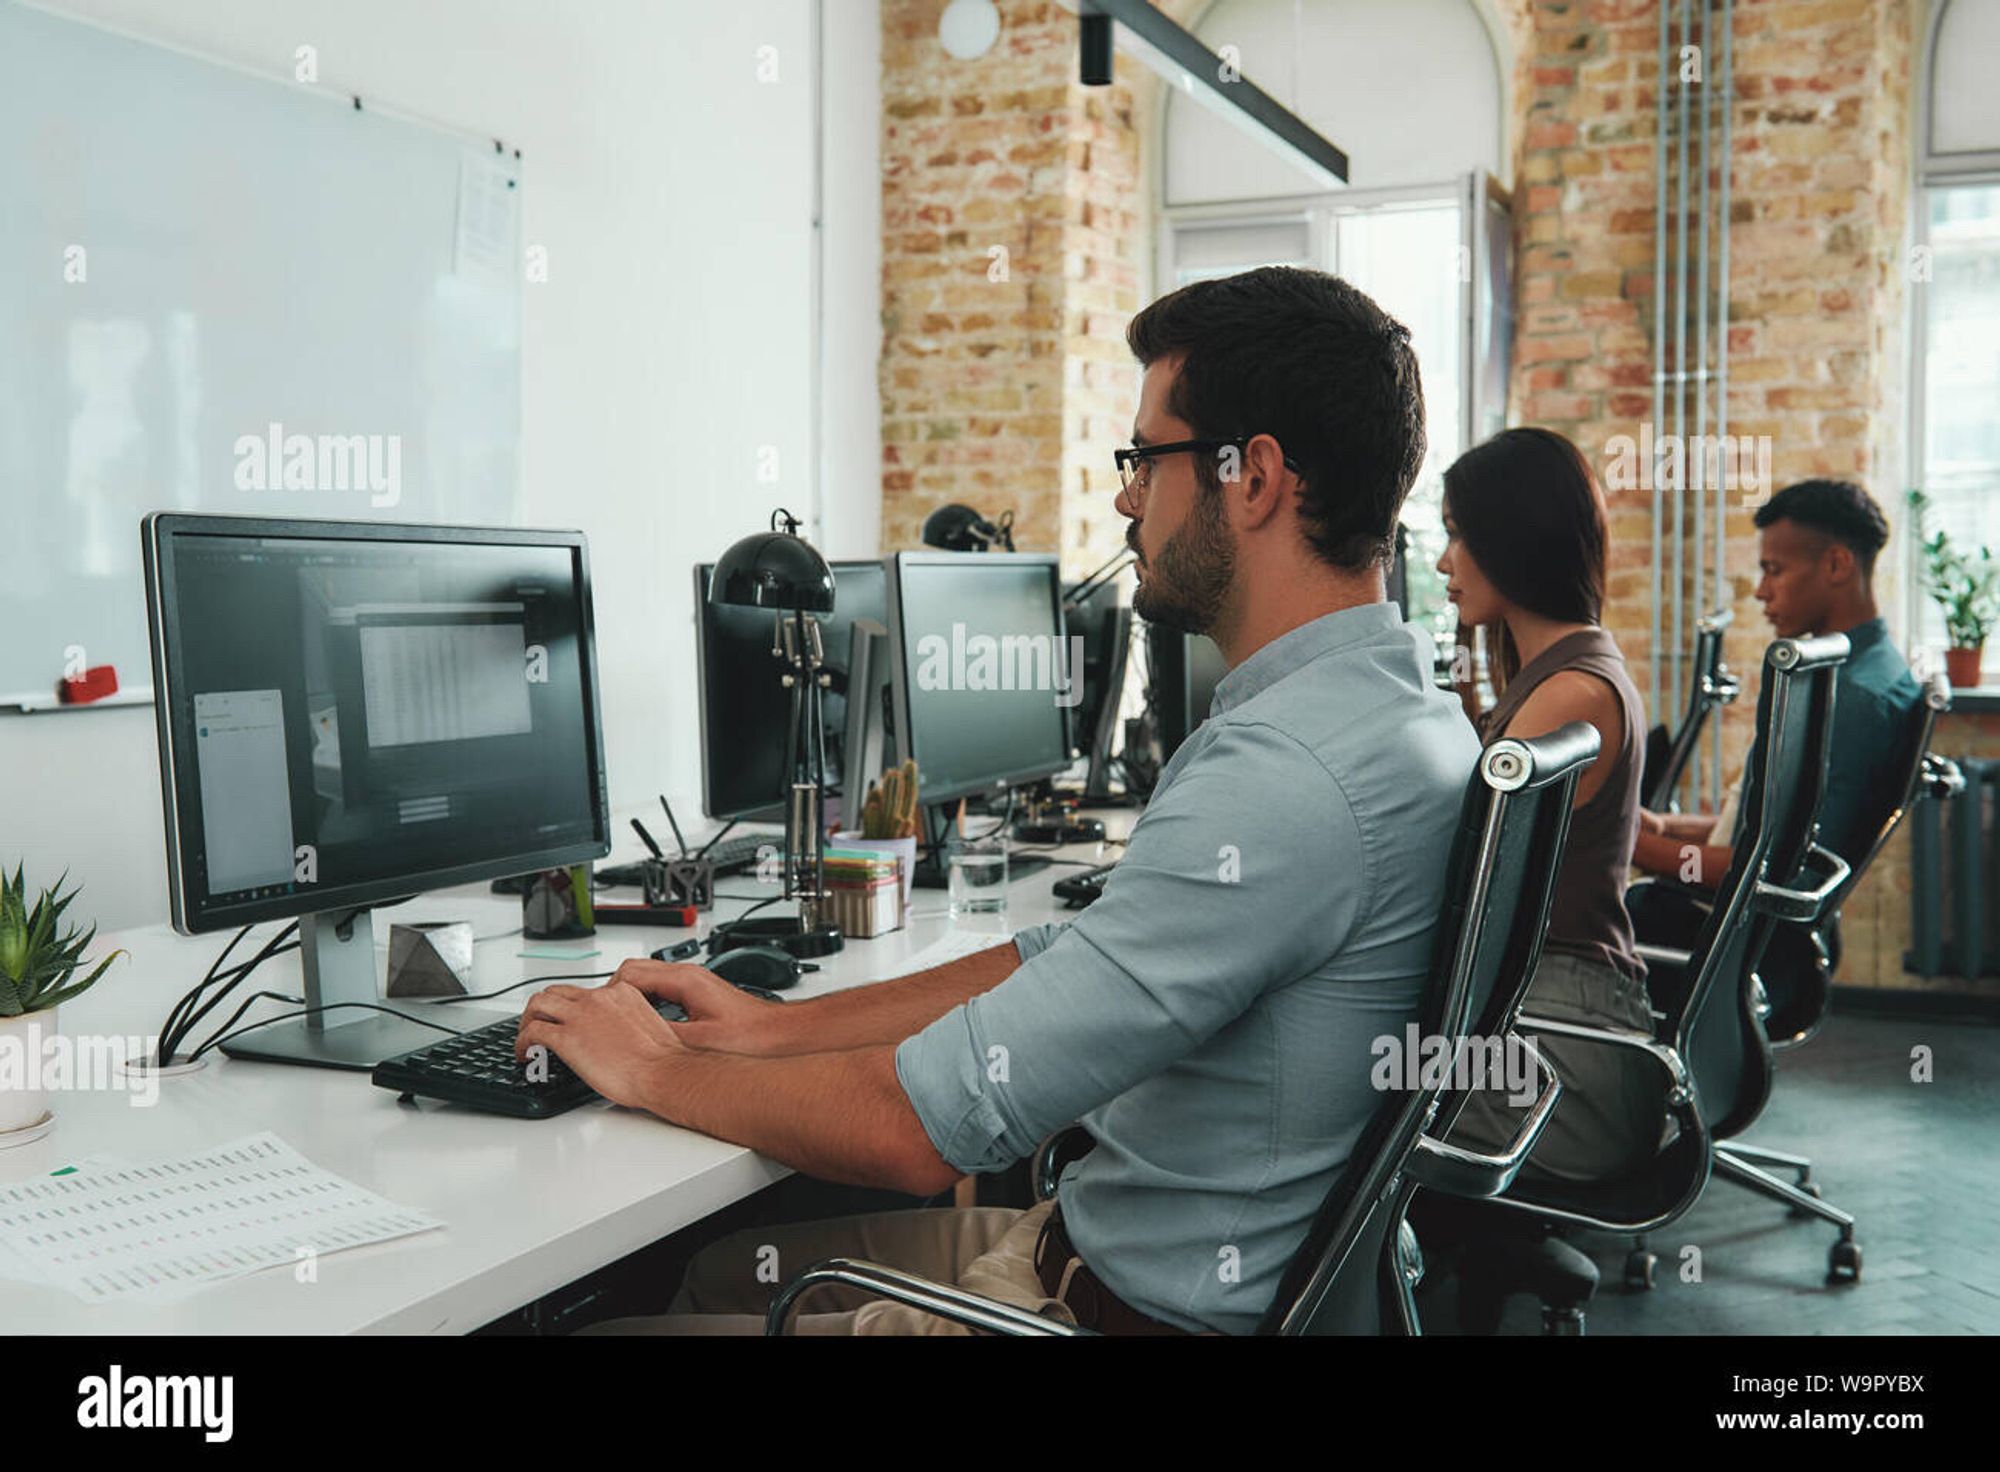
<point x="39" y="959"/>
<point x="1966" y="589"/>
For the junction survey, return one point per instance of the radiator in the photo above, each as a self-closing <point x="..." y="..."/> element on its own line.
<point x="1955" y="879"/>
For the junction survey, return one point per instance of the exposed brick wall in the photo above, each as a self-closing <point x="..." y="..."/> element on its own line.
<point x="1005" y="381"/>
<point x="1817" y="301"/>
<point x="1011" y="394"/>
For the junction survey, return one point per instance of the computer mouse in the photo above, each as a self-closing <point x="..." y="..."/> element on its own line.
<point x="756" y="968"/>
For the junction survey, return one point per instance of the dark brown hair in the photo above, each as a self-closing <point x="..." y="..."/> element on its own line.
<point x="1525" y="508"/>
<point x="1309" y="359"/>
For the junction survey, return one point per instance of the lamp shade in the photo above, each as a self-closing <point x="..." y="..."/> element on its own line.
<point x="958" y="528"/>
<point x="773" y="570"/>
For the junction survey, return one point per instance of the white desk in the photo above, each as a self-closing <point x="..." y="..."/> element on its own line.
<point x="529" y="1205"/>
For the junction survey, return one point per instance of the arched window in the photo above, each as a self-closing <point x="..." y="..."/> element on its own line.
<point x="1414" y="91"/>
<point x="1955" y="293"/>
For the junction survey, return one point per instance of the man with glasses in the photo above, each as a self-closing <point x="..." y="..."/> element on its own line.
<point x="1210" y="1020"/>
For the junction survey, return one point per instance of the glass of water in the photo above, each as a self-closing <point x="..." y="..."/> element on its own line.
<point x="977" y="874"/>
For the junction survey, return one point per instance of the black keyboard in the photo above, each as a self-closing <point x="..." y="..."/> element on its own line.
<point x="478" y="1069"/>
<point x="1080" y="889"/>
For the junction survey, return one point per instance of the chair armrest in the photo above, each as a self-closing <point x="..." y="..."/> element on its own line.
<point x="1805" y="905"/>
<point x="1664" y="956"/>
<point x="974" y="1310"/>
<point x="1054" y="1155"/>
<point x="1680" y="1082"/>
<point x="1941" y="780"/>
<point x="1457" y="1171"/>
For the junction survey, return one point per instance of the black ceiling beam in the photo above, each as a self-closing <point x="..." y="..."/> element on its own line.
<point x="1203" y="69"/>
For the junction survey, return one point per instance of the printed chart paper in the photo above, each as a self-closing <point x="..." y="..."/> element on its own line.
<point x="111" y="1231"/>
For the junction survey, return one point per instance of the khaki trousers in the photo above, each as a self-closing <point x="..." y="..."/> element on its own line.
<point x="1610" y="1116"/>
<point x="983" y="1249"/>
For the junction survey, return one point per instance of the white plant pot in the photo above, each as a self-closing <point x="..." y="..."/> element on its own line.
<point x="23" y="1101"/>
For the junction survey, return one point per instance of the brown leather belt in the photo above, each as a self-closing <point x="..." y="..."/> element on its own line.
<point x="1065" y="1276"/>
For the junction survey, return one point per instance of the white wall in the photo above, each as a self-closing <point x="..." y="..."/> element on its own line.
<point x="1351" y="69"/>
<point x="673" y="340"/>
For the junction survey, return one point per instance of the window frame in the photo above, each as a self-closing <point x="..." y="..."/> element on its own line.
<point x="1934" y="170"/>
<point x="1485" y="221"/>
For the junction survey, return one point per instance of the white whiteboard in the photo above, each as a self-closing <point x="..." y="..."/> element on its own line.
<point x="191" y="255"/>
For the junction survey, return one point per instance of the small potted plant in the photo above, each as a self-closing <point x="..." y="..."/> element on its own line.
<point x="39" y="959"/>
<point x="1966" y="589"/>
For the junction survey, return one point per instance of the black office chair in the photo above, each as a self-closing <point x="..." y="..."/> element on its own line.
<point x="1798" y="970"/>
<point x="1800" y="966"/>
<point x="1353" y="1272"/>
<point x="1708" y="1042"/>
<point x="1711" y="687"/>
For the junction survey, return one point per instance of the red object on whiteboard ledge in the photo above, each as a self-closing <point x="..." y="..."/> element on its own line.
<point x="92" y="684"/>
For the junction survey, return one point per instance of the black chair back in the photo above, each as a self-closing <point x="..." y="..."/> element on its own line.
<point x="1714" y="1024"/>
<point x="1500" y="883"/>
<point x="1800" y="962"/>
<point x="1710" y="687"/>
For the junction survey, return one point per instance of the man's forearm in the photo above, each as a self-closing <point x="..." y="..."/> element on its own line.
<point x="1693" y="863"/>
<point x="841" y="1117"/>
<point x="886" y="1011"/>
<point x="1689" y="827"/>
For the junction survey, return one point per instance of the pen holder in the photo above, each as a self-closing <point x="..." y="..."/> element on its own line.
<point x="557" y="905"/>
<point x="679" y="882"/>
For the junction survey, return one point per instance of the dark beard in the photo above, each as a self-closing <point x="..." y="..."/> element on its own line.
<point x="1186" y="586"/>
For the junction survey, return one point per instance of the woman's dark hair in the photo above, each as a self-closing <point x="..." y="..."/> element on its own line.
<point x="1310" y="360"/>
<point x="1524" y="506"/>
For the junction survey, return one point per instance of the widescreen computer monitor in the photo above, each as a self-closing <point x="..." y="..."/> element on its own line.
<point x="745" y="707"/>
<point x="353" y="713"/>
<point x="983" y="676"/>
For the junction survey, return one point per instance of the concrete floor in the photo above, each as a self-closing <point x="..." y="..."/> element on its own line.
<point x="1918" y="1165"/>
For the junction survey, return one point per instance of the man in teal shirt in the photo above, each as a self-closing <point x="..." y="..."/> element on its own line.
<point x="1211" y="1018"/>
<point x="1816" y="550"/>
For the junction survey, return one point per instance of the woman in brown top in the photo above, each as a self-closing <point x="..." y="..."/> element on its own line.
<point x="1525" y="561"/>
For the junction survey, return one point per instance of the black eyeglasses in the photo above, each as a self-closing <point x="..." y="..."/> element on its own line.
<point x="1135" y="465"/>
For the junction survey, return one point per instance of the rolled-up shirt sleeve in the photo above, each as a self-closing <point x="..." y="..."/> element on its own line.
<point x="1031" y="942"/>
<point x="1247" y="872"/>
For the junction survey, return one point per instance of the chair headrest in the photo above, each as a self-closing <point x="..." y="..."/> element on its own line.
<point x="1515" y="763"/>
<point x="1808" y="653"/>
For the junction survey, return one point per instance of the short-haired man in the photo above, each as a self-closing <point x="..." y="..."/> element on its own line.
<point x="1816" y="548"/>
<point x="1209" y="1019"/>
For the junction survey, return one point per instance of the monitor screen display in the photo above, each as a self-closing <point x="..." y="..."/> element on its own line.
<point x="352" y="713"/>
<point x="985" y="676"/>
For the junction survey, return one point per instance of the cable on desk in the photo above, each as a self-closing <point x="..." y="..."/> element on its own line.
<point x="528" y="981"/>
<point x="224" y="1037"/>
<point x="185" y="1016"/>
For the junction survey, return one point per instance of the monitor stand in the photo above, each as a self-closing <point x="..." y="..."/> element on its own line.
<point x="337" y="953"/>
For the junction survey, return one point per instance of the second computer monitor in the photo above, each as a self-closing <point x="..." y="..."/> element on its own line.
<point x="983" y="674"/>
<point x="745" y="707"/>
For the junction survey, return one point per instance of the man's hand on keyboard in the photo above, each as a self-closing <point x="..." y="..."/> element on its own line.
<point x="610" y="1035"/>
<point x="720" y="1017"/>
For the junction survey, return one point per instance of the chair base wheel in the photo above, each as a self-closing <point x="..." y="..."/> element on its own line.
<point x="1562" y="1323"/>
<point x="1843" y="1262"/>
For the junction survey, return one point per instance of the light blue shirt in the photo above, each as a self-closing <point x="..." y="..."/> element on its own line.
<point x="1209" y="1019"/>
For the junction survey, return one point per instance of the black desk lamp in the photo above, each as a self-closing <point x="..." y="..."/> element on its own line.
<point x="958" y="528"/>
<point x="779" y="570"/>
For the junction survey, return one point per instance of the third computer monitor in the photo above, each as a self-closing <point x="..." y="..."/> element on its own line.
<point x="982" y="676"/>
